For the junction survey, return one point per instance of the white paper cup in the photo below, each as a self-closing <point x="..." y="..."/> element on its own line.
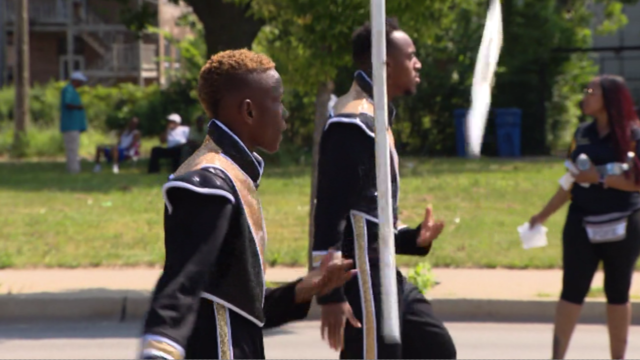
<point x="533" y="238"/>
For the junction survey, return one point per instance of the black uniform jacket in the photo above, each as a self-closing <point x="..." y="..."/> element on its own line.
<point x="215" y="239"/>
<point x="346" y="208"/>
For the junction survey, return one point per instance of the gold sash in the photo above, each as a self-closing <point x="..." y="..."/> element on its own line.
<point x="357" y="105"/>
<point x="211" y="154"/>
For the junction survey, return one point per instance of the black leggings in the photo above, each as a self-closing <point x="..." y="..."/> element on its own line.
<point x="581" y="259"/>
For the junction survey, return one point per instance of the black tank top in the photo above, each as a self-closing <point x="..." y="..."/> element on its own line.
<point x="595" y="199"/>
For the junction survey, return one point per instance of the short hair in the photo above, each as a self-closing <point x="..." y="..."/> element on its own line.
<point x="226" y="72"/>
<point x="361" y="42"/>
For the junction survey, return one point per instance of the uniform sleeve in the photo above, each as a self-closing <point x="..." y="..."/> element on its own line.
<point x="344" y="153"/>
<point x="406" y="242"/>
<point x="280" y="306"/>
<point x="195" y="227"/>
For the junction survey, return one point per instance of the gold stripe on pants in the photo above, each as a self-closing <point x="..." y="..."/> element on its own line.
<point x="224" y="335"/>
<point x="366" y="293"/>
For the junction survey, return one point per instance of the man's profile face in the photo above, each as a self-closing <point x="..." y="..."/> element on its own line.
<point x="403" y="70"/>
<point x="267" y="111"/>
<point x="76" y="83"/>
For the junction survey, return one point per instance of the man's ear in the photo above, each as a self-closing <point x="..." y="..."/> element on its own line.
<point x="247" y="111"/>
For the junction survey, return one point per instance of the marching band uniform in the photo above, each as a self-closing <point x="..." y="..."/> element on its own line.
<point x="211" y="301"/>
<point x="346" y="218"/>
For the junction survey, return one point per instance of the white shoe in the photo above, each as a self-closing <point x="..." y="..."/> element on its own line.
<point x="97" y="168"/>
<point x="116" y="169"/>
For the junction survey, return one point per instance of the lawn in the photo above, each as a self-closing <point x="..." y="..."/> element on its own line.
<point x="49" y="218"/>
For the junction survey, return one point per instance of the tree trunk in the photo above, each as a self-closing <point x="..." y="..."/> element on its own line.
<point x="323" y="96"/>
<point x="21" y="111"/>
<point x="3" y="50"/>
<point x="227" y="26"/>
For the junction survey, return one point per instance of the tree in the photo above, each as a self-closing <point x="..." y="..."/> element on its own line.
<point x="21" y="79"/>
<point x="310" y="42"/>
<point x="544" y="82"/>
<point x="227" y="24"/>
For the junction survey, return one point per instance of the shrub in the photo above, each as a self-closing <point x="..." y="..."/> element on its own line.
<point x="108" y="108"/>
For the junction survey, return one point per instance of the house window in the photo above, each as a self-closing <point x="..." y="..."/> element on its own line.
<point x="78" y="65"/>
<point x="78" y="45"/>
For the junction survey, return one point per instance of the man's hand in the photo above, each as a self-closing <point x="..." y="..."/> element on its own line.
<point x="333" y="272"/>
<point x="334" y="317"/>
<point x="430" y="229"/>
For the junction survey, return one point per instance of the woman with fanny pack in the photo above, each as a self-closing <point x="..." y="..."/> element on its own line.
<point x="603" y="222"/>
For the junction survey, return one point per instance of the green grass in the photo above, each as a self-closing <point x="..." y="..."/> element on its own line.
<point x="49" y="218"/>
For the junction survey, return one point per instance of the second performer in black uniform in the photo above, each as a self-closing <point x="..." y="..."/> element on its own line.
<point x="346" y="217"/>
<point x="211" y="301"/>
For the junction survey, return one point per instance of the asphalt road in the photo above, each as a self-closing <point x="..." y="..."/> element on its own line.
<point x="301" y="341"/>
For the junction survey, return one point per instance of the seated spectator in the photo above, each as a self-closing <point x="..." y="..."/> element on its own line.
<point x="127" y="147"/>
<point x="196" y="138"/>
<point x="175" y="137"/>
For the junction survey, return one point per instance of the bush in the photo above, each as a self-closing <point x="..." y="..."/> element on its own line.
<point x="422" y="277"/>
<point x="108" y="108"/>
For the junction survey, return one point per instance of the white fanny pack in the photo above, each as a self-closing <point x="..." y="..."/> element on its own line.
<point x="607" y="228"/>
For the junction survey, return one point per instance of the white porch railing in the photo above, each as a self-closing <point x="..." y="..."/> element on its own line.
<point x="124" y="58"/>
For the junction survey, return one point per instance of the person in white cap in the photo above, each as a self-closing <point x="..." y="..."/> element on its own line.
<point x="73" y="120"/>
<point x="175" y="137"/>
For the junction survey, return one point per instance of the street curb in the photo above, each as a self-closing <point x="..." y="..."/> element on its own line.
<point x="131" y="306"/>
<point x="535" y="310"/>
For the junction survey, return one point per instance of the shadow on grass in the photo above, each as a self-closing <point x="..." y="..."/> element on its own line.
<point x="417" y="167"/>
<point x="52" y="176"/>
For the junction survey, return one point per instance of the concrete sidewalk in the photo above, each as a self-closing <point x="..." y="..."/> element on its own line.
<point x="121" y="293"/>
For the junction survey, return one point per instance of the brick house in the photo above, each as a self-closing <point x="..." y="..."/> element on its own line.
<point x="103" y="48"/>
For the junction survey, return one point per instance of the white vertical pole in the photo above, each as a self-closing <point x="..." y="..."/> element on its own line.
<point x="390" y="316"/>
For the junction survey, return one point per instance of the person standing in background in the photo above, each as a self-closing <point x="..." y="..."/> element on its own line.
<point x="73" y="120"/>
<point x="603" y="221"/>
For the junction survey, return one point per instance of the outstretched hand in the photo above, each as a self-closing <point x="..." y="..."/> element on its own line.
<point x="333" y="272"/>
<point x="430" y="229"/>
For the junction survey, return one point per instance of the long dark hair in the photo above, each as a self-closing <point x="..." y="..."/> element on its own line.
<point x="622" y="116"/>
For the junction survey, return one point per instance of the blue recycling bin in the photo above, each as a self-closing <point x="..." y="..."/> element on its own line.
<point x="460" y="115"/>
<point x="508" y="131"/>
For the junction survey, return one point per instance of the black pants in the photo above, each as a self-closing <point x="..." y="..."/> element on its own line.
<point x="158" y="153"/>
<point x="423" y="335"/>
<point x="581" y="259"/>
<point x="222" y="333"/>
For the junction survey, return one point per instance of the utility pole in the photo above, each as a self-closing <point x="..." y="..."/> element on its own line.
<point x="140" y="48"/>
<point x="160" y="47"/>
<point x="70" y="40"/>
<point x="21" y="111"/>
<point x="3" y="43"/>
